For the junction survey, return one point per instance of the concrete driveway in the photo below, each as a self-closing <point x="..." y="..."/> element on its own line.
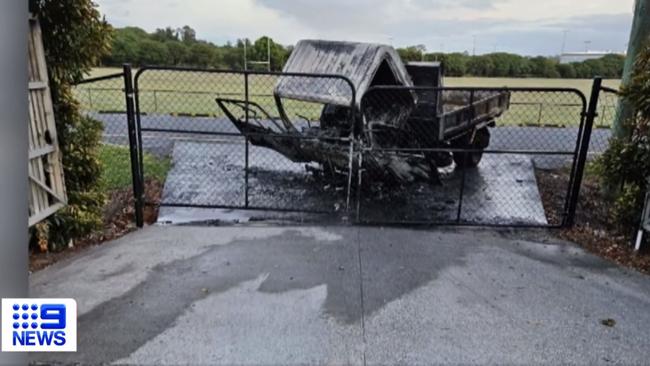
<point x="346" y="295"/>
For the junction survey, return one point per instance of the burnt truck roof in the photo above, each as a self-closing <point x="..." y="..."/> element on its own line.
<point x="364" y="64"/>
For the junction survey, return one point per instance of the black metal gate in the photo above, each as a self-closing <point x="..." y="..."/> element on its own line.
<point x="543" y="132"/>
<point x="186" y="115"/>
<point x="178" y="114"/>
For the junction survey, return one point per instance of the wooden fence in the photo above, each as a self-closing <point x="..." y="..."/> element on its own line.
<point x="46" y="184"/>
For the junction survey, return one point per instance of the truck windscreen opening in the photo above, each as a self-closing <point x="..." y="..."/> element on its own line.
<point x="384" y="75"/>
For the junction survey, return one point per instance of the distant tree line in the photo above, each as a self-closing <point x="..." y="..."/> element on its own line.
<point x="180" y="47"/>
<point x="176" y="47"/>
<point x="501" y="64"/>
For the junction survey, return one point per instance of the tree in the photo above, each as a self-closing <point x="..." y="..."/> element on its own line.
<point x="188" y="35"/>
<point x="260" y="50"/>
<point x="595" y="67"/>
<point x="177" y="52"/>
<point x="233" y="57"/>
<point x="153" y="53"/>
<point x="582" y="70"/>
<point x="638" y="37"/>
<point x="75" y="38"/>
<point x="165" y="47"/>
<point x="165" y="35"/>
<point x="125" y="46"/>
<point x="567" y="71"/>
<point x="544" y="67"/>
<point x="480" y="66"/>
<point x="625" y="164"/>
<point x="613" y="66"/>
<point x="455" y="64"/>
<point x="411" y="53"/>
<point x="505" y="64"/>
<point x="201" y="54"/>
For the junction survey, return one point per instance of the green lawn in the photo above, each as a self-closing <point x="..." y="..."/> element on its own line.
<point x="193" y="93"/>
<point x="117" y="167"/>
<point x="176" y="92"/>
<point x="584" y="85"/>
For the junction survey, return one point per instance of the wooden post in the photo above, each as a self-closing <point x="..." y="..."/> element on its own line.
<point x="639" y="35"/>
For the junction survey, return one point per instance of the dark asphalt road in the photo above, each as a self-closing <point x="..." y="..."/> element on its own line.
<point x="503" y="138"/>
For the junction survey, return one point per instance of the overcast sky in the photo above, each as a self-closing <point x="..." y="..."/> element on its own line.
<point x="531" y="27"/>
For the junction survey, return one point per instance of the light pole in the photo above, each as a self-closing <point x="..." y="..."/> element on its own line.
<point x="245" y="58"/>
<point x="473" y="45"/>
<point x="563" y="42"/>
<point x="422" y="49"/>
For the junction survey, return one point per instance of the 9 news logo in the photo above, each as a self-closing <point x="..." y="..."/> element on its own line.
<point x="39" y="325"/>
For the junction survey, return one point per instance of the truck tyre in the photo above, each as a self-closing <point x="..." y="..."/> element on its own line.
<point x="472" y="159"/>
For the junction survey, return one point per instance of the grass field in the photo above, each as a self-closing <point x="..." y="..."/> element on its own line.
<point x="193" y="93"/>
<point x="117" y="167"/>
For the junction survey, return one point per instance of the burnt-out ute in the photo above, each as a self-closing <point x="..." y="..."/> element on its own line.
<point x="334" y="99"/>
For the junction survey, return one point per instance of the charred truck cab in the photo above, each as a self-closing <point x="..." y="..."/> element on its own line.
<point x="399" y="114"/>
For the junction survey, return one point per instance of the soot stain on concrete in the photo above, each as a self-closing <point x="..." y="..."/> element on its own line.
<point x="290" y="260"/>
<point x="560" y="255"/>
<point x="124" y="269"/>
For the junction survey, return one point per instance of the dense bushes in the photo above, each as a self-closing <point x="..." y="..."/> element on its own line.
<point x="502" y="64"/>
<point x="173" y="47"/>
<point x="74" y="38"/>
<point x="625" y="166"/>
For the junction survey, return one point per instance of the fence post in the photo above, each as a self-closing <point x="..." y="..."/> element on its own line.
<point x="461" y="191"/>
<point x="583" y="150"/>
<point x="90" y="100"/>
<point x="155" y="102"/>
<point x="246" y="150"/>
<point x="136" y="169"/>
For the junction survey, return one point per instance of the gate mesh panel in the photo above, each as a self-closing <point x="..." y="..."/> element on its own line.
<point x="420" y="166"/>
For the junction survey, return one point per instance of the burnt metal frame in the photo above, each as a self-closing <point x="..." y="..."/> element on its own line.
<point x="138" y="150"/>
<point x="588" y="115"/>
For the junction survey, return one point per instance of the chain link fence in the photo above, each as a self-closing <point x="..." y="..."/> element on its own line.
<point x="233" y="144"/>
<point x="467" y="155"/>
<point x="259" y="141"/>
<point x="102" y="98"/>
<point x="608" y="101"/>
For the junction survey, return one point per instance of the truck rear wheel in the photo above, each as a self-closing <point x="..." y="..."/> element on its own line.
<point x="472" y="159"/>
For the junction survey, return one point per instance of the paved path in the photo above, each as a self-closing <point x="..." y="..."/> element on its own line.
<point x="346" y="295"/>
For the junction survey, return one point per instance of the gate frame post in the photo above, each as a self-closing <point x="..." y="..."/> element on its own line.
<point x="246" y="140"/>
<point x="583" y="150"/>
<point x="136" y="169"/>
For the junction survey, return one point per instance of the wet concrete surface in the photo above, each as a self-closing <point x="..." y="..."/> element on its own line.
<point x="346" y="295"/>
<point x="503" y="189"/>
<point x="206" y="173"/>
